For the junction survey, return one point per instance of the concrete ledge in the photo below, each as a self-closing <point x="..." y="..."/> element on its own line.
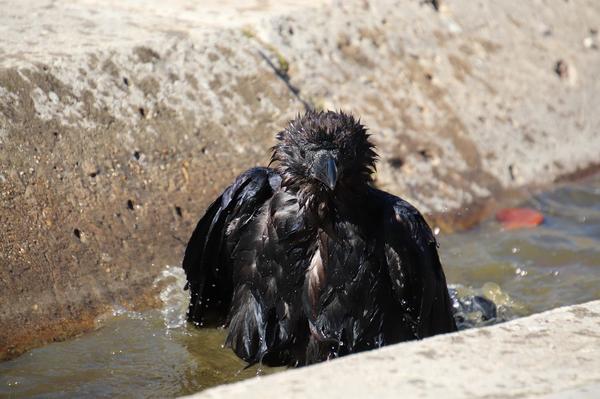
<point x="551" y="354"/>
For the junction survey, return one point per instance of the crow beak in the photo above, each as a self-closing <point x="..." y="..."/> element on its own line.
<point x="326" y="171"/>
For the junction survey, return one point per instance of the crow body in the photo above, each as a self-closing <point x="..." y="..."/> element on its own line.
<point x="306" y="261"/>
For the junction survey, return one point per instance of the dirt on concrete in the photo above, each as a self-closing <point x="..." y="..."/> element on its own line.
<point x="118" y="125"/>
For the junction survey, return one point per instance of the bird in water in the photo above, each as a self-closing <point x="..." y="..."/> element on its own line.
<point x="306" y="261"/>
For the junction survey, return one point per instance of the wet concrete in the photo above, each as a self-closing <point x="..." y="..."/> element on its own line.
<point x="119" y="124"/>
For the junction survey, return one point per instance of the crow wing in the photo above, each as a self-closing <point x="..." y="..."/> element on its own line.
<point x="414" y="267"/>
<point x="206" y="262"/>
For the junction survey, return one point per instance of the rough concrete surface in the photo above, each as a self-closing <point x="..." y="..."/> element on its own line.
<point x="555" y="354"/>
<point x="121" y="120"/>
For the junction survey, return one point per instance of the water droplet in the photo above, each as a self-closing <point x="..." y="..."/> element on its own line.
<point x="521" y="272"/>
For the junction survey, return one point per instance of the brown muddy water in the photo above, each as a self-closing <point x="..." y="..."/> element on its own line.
<point x="157" y="354"/>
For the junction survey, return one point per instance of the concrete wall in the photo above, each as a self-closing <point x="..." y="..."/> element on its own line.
<point x="120" y="122"/>
<point x="554" y="354"/>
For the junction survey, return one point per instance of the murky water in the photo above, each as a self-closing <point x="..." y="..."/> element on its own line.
<point x="156" y="354"/>
<point x="554" y="264"/>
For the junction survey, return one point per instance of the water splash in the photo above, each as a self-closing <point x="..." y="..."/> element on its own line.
<point x="174" y="298"/>
<point x="482" y="307"/>
<point x="117" y="311"/>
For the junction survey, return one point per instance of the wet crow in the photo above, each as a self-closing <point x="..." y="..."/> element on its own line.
<point x="306" y="260"/>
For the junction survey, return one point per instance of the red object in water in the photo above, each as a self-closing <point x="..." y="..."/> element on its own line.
<point x="517" y="218"/>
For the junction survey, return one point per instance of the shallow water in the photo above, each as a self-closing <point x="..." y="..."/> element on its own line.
<point x="554" y="264"/>
<point x="156" y="354"/>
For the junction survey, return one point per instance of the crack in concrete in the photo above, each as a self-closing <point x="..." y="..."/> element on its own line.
<point x="285" y="78"/>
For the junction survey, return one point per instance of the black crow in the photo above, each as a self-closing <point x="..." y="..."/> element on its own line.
<point x="306" y="260"/>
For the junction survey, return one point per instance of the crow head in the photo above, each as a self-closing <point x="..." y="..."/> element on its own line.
<point x="321" y="153"/>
